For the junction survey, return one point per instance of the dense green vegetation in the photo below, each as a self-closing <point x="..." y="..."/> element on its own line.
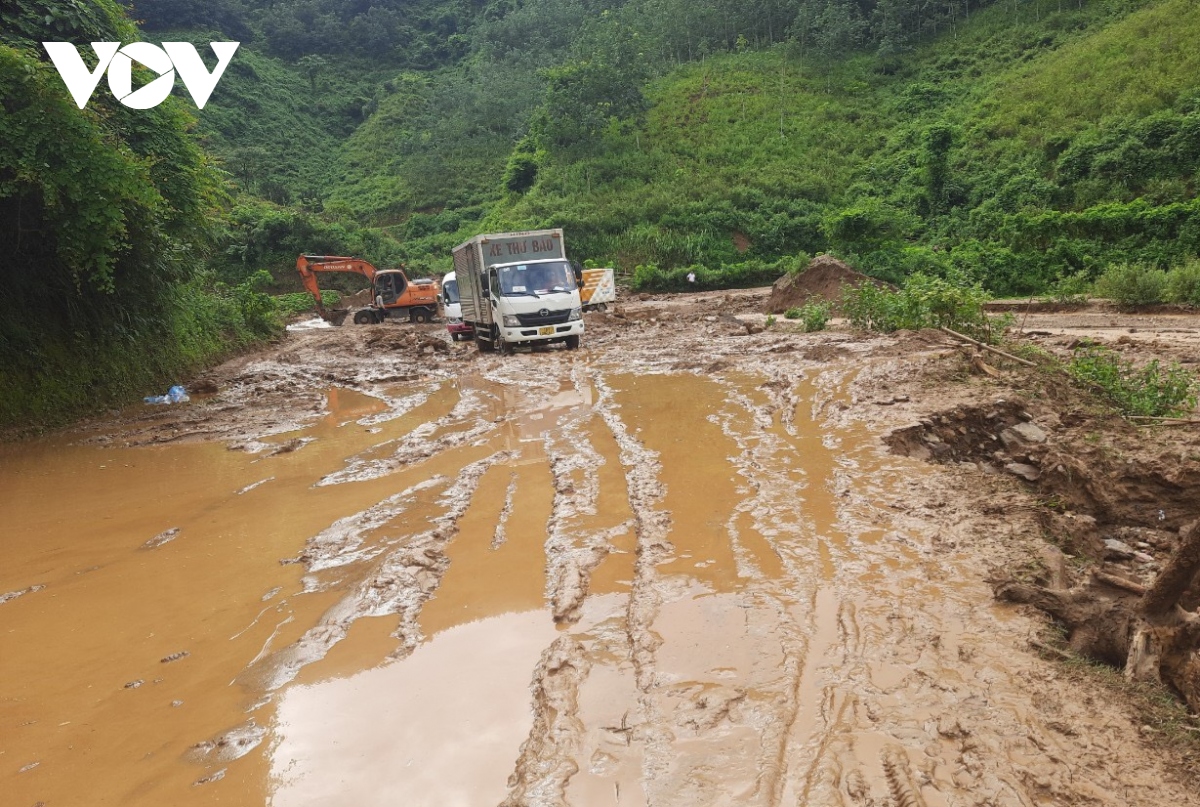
<point x="105" y="215"/>
<point x="1021" y="146"/>
<point x="1013" y="143"/>
<point x="946" y="160"/>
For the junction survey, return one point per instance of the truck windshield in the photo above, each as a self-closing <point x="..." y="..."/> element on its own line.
<point x="536" y="279"/>
<point x="450" y="291"/>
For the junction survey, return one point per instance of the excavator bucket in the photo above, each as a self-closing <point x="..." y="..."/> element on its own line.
<point x="337" y="316"/>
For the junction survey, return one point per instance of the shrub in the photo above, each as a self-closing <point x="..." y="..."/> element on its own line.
<point x="1128" y="284"/>
<point x="299" y="302"/>
<point x="923" y="302"/>
<point x="813" y="315"/>
<point x="798" y="263"/>
<point x="1073" y="289"/>
<point x="1151" y="390"/>
<point x="1183" y="284"/>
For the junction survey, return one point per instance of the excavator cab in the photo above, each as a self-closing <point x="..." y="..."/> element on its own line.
<point x="390" y="286"/>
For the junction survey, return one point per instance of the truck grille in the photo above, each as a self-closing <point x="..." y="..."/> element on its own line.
<point x="544" y="317"/>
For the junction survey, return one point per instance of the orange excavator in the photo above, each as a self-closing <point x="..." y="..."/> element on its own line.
<point x="392" y="293"/>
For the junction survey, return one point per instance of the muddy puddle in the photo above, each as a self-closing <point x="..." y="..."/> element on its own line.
<point x="585" y="586"/>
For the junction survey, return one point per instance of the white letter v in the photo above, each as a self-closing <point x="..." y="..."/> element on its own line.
<point x="74" y="72"/>
<point x="199" y="82"/>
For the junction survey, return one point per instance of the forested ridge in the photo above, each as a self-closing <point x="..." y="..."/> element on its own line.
<point x="1013" y="142"/>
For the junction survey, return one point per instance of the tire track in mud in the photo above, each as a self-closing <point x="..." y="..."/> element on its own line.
<point x="574" y="546"/>
<point x="545" y="768"/>
<point x="427" y="440"/>
<point x="660" y="709"/>
<point x="782" y="511"/>
<point x="548" y="758"/>
<point x="404" y="574"/>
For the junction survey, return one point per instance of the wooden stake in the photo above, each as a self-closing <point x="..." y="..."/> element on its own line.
<point x="989" y="348"/>
<point x="1120" y="582"/>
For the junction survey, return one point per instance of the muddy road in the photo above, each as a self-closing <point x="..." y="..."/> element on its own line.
<point x="677" y="567"/>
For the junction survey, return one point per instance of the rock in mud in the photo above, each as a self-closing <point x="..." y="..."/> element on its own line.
<point x="1030" y="473"/>
<point x="166" y="536"/>
<point x="1117" y="550"/>
<point x="1021" y="435"/>
<point x="233" y="744"/>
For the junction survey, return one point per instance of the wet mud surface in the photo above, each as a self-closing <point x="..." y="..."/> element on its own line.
<point x="682" y="566"/>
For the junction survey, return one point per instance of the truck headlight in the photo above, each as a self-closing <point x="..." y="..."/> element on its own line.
<point x="576" y="314"/>
<point x="511" y="321"/>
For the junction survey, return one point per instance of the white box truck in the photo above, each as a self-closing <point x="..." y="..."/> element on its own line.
<point x="518" y="289"/>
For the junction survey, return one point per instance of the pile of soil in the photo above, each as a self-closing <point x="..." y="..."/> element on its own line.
<point x="360" y="299"/>
<point x="822" y="279"/>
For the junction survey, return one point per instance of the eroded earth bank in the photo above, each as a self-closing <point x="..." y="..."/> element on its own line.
<point x="685" y="565"/>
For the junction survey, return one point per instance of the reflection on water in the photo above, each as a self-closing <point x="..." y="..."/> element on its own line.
<point x="441" y="727"/>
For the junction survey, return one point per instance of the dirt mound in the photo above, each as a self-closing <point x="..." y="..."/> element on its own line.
<point x="359" y="299"/>
<point x="822" y="279"/>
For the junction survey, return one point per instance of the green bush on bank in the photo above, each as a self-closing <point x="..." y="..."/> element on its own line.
<point x="1151" y="390"/>
<point x="1134" y="284"/>
<point x="63" y="375"/>
<point x="1183" y="284"/>
<point x="923" y="302"/>
<point x="1129" y="284"/>
<point x="813" y="315"/>
<point x="1072" y="289"/>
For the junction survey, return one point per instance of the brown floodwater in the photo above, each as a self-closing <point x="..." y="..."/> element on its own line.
<point x="603" y="587"/>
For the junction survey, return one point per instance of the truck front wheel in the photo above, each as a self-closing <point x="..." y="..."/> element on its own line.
<point x="572" y="342"/>
<point x="485" y="345"/>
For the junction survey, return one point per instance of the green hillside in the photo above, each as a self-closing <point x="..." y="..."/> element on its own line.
<point x="990" y="152"/>
<point x="1012" y="142"/>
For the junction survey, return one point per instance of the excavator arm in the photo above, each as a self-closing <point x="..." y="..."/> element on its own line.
<point x="309" y="265"/>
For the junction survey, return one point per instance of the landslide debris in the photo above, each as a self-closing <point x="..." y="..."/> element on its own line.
<point x="822" y="279"/>
<point x="1123" y="508"/>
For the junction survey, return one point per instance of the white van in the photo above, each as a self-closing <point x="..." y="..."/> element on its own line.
<point x="452" y="309"/>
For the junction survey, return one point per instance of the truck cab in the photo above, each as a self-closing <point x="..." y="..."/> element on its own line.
<point x="534" y="302"/>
